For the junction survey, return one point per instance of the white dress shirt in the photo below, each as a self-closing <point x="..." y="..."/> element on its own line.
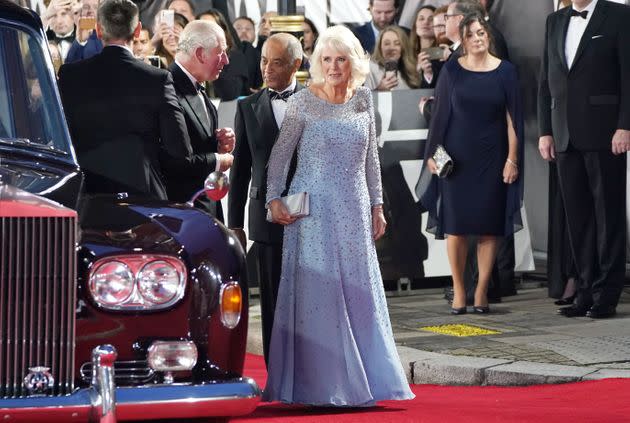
<point x="64" y="46"/>
<point x="577" y="26"/>
<point x="279" y="106"/>
<point x="205" y="108"/>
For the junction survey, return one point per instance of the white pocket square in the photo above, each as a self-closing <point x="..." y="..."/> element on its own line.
<point x="596" y="36"/>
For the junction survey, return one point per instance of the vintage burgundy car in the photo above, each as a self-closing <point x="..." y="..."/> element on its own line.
<point x="111" y="307"/>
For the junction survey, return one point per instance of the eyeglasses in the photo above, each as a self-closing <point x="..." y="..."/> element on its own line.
<point x="446" y="17"/>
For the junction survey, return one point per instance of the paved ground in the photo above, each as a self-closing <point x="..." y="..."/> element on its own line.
<point x="527" y="342"/>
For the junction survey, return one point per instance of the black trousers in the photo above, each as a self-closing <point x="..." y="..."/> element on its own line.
<point x="593" y="187"/>
<point x="268" y="268"/>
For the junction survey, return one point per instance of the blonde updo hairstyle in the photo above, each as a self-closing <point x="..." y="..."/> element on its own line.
<point x="342" y="40"/>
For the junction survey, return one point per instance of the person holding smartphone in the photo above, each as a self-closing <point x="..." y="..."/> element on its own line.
<point x="392" y="66"/>
<point x="87" y="44"/>
<point x="169" y="29"/>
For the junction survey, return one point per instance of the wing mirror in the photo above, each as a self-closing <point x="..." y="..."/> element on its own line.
<point x="215" y="187"/>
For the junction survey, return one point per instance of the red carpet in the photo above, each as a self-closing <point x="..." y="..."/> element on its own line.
<point x="598" y="401"/>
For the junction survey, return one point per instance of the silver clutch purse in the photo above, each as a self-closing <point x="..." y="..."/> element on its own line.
<point x="443" y="161"/>
<point x="297" y="204"/>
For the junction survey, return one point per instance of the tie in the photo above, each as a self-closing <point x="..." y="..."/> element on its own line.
<point x="582" y="14"/>
<point x="68" y="38"/>
<point x="202" y="90"/>
<point x="274" y="95"/>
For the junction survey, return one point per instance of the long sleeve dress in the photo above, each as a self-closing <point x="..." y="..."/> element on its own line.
<point x="332" y="342"/>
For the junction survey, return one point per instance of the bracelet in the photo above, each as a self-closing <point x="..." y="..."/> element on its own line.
<point x="512" y="163"/>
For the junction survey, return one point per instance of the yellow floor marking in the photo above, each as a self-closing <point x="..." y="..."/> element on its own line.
<point x="460" y="330"/>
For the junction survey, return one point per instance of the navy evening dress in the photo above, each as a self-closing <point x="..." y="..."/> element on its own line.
<point x="470" y="122"/>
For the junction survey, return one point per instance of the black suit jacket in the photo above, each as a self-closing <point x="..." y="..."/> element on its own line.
<point x="365" y="34"/>
<point x="584" y="105"/>
<point x="183" y="180"/>
<point x="123" y="114"/>
<point x="256" y="132"/>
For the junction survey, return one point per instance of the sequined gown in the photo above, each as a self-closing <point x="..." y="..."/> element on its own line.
<point x="332" y="341"/>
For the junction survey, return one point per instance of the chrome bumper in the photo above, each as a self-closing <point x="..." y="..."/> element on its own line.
<point x="233" y="397"/>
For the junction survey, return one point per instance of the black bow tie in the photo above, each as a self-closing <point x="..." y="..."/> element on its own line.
<point x="69" y="38"/>
<point x="274" y="95"/>
<point x="582" y="14"/>
<point x="200" y="88"/>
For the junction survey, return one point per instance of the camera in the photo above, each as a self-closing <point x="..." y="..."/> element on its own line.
<point x="434" y="53"/>
<point x="155" y="61"/>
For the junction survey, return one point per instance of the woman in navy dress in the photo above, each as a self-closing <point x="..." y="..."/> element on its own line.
<point x="478" y="120"/>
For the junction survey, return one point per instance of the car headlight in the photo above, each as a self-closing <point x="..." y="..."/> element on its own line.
<point x="112" y="283"/>
<point x="137" y="282"/>
<point x="159" y="282"/>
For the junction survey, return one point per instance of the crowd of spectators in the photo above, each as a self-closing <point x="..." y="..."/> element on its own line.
<point x="402" y="57"/>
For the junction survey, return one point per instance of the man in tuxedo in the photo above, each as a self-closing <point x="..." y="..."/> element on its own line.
<point x="383" y="14"/>
<point x="62" y="29"/>
<point x="201" y="55"/>
<point x="584" y="125"/>
<point x="128" y="116"/>
<point x="257" y="123"/>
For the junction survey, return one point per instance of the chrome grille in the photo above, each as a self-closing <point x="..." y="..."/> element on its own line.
<point x="125" y="372"/>
<point x="37" y="301"/>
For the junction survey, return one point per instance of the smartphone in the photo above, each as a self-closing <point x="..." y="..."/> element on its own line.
<point x="435" y="53"/>
<point x="168" y="17"/>
<point x="155" y="61"/>
<point x="391" y="68"/>
<point x="87" y="23"/>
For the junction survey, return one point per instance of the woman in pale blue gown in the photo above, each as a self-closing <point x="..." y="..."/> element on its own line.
<point x="332" y="342"/>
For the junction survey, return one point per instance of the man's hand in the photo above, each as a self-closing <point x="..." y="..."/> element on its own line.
<point x="546" y="148"/>
<point x="57" y="5"/>
<point x="239" y="233"/>
<point x="621" y="141"/>
<point x="226" y="139"/>
<point x="225" y="161"/>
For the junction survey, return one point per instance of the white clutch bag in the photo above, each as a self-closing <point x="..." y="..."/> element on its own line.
<point x="297" y="204"/>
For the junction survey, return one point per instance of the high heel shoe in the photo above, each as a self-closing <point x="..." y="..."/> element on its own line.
<point x="565" y="301"/>
<point x="481" y="310"/>
<point x="459" y="310"/>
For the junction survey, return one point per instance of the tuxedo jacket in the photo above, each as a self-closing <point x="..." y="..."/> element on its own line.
<point x="584" y="105"/>
<point x="122" y="115"/>
<point x="184" y="180"/>
<point x="256" y="132"/>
